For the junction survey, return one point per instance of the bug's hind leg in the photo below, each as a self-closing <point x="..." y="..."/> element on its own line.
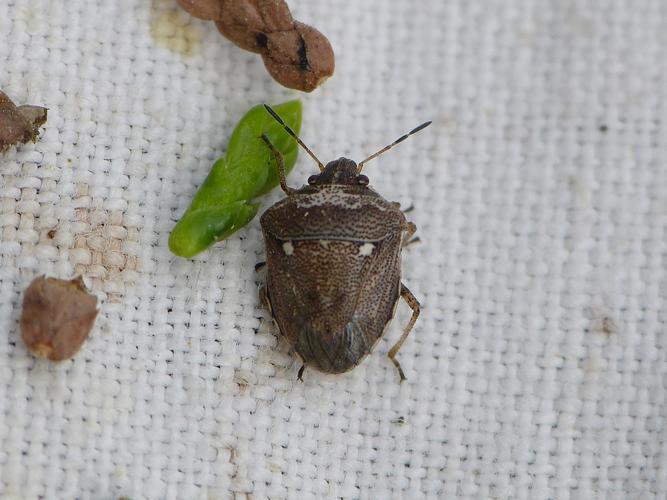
<point x="414" y="305"/>
<point x="259" y="266"/>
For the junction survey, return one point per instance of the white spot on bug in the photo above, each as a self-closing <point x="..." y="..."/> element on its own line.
<point x="288" y="248"/>
<point x="366" y="249"/>
<point x="324" y="243"/>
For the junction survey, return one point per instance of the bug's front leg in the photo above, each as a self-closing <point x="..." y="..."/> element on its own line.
<point x="414" y="305"/>
<point x="263" y="292"/>
<point x="280" y="165"/>
<point x="264" y="299"/>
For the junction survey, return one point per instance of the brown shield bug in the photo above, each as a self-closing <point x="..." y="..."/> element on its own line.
<point x="333" y="257"/>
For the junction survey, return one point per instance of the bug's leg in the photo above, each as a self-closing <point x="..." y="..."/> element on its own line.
<point x="407" y="237"/>
<point x="411" y="229"/>
<point x="259" y="266"/>
<point x="264" y="299"/>
<point x="409" y="209"/>
<point x="299" y="376"/>
<point x="280" y="165"/>
<point x="416" y="239"/>
<point x="414" y="305"/>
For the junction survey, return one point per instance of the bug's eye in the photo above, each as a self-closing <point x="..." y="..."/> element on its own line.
<point x="362" y="179"/>
<point x="312" y="179"/>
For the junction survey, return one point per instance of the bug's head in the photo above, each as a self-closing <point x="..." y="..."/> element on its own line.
<point x="340" y="171"/>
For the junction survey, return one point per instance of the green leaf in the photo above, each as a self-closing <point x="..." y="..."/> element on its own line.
<point x="247" y="151"/>
<point x="199" y="229"/>
<point x="247" y="170"/>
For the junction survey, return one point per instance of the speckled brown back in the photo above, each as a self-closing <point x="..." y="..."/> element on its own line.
<point x="333" y="272"/>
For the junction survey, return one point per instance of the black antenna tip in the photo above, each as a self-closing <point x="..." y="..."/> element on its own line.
<point x="420" y="127"/>
<point x="401" y="139"/>
<point x="273" y="113"/>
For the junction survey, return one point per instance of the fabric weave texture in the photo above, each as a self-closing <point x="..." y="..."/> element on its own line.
<point x="538" y="368"/>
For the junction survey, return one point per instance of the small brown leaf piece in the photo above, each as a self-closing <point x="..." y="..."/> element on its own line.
<point x="57" y="317"/>
<point x="19" y="124"/>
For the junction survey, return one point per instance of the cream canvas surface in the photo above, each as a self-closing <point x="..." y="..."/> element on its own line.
<point x="538" y="367"/>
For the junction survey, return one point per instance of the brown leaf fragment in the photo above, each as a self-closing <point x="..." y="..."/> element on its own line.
<point x="57" y="317"/>
<point x="19" y="124"/>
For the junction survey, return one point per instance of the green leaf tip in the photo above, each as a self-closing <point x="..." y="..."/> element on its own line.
<point x="222" y="205"/>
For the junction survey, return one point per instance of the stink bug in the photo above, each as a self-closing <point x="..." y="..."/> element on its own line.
<point x="333" y="257"/>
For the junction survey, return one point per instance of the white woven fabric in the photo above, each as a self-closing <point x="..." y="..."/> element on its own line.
<point x="538" y="368"/>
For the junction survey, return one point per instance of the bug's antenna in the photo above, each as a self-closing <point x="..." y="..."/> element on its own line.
<point x="296" y="137"/>
<point x="387" y="148"/>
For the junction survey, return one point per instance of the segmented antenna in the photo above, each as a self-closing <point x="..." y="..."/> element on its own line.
<point x="296" y="137"/>
<point x="387" y="148"/>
